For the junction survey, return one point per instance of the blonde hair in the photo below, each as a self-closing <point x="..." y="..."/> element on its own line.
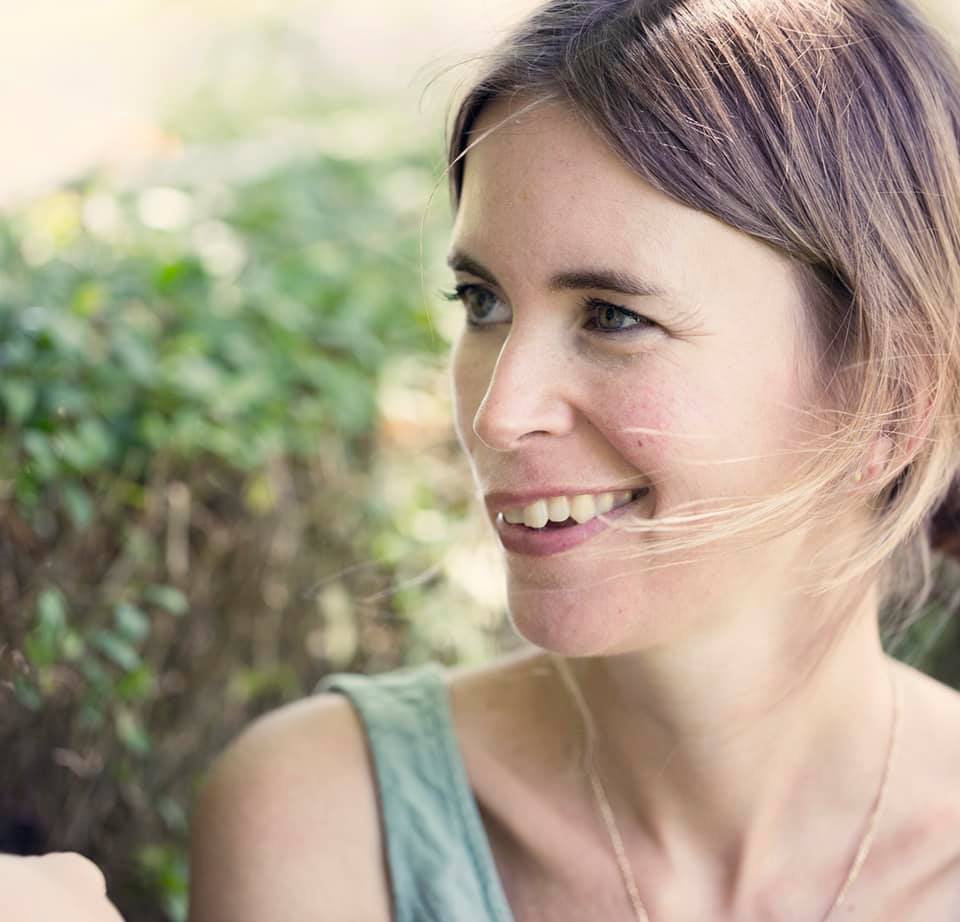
<point x="828" y="129"/>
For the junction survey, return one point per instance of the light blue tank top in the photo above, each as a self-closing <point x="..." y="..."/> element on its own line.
<point x="439" y="858"/>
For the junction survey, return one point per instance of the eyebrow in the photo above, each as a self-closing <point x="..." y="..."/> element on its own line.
<point x="570" y="280"/>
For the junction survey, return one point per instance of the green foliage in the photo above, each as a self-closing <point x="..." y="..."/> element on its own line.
<point x="191" y="371"/>
<point x="166" y="870"/>
<point x="237" y="323"/>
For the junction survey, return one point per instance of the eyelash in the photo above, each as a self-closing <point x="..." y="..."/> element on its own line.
<point x="460" y="293"/>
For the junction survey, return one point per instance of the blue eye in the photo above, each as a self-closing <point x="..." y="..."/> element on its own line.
<point x="602" y="317"/>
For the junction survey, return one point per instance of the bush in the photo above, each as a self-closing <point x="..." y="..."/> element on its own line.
<point x="191" y="373"/>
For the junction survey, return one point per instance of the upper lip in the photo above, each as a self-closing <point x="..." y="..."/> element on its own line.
<point x="499" y="500"/>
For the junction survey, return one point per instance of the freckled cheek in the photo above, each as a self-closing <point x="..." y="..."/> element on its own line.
<point x="639" y="422"/>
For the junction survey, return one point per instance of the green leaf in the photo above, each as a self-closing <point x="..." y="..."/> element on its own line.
<point x="166" y="867"/>
<point x="131" y="732"/>
<point x="78" y="505"/>
<point x="116" y="649"/>
<point x="52" y="610"/>
<point x="38" y="650"/>
<point x="19" y="398"/>
<point x="39" y="449"/>
<point x="98" y="678"/>
<point x="72" y="646"/>
<point x="43" y="645"/>
<point x="179" y="274"/>
<point x="167" y="597"/>
<point x="88" y="299"/>
<point x="131" y="622"/>
<point x="137" y="685"/>
<point x="173" y="815"/>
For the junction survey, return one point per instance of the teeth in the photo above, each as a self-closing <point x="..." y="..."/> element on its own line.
<point x="535" y="515"/>
<point x="582" y="508"/>
<point x="605" y="502"/>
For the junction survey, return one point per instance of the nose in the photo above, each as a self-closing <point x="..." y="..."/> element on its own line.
<point x="526" y="396"/>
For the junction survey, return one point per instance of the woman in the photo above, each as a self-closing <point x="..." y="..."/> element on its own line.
<point x="709" y="382"/>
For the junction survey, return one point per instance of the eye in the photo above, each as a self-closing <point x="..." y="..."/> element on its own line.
<point x="478" y="302"/>
<point x="610" y="318"/>
<point x="603" y="318"/>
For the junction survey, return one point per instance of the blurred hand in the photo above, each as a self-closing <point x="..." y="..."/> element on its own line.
<point x="62" y="886"/>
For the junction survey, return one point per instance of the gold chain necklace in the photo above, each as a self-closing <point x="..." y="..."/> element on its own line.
<point x="604" y="804"/>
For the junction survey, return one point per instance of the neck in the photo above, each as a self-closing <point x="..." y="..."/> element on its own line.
<point x="721" y="760"/>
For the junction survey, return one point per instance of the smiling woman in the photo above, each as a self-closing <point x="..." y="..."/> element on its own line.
<point x="708" y="254"/>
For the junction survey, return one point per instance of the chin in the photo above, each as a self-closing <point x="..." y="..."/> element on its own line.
<point x="605" y="617"/>
<point x="570" y="626"/>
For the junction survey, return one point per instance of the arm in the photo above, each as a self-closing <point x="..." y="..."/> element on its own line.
<point x="287" y="826"/>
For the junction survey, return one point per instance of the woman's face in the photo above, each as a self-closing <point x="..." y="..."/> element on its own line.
<point x="556" y="387"/>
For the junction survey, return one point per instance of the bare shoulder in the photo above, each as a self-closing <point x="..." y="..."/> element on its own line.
<point x="925" y="775"/>
<point x="286" y="826"/>
<point x="916" y="863"/>
<point x="931" y="725"/>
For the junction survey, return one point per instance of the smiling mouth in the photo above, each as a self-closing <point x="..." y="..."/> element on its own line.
<point x="572" y="522"/>
<point x="561" y="536"/>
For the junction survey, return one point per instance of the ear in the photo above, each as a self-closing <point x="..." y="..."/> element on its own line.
<point x="877" y="458"/>
<point x="882" y="446"/>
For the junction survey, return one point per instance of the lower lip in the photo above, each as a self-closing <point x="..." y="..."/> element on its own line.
<point x="544" y="542"/>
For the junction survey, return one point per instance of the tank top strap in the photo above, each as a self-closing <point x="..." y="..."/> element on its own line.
<point x="440" y="863"/>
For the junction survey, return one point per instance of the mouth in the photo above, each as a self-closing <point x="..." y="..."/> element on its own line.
<point x="558" y="537"/>
<point x="572" y="522"/>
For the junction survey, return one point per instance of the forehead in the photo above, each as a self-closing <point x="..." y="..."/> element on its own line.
<point x="544" y="175"/>
<point x="543" y="188"/>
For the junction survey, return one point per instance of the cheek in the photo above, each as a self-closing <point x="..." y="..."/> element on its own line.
<point x="716" y="432"/>
<point x="679" y="431"/>
<point x="641" y="421"/>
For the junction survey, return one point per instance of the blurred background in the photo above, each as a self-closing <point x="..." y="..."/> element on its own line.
<point x="227" y="464"/>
